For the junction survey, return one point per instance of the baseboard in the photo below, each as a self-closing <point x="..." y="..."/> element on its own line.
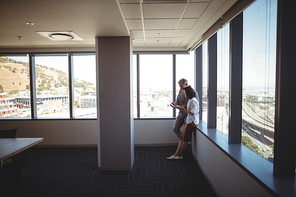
<point x="115" y="168"/>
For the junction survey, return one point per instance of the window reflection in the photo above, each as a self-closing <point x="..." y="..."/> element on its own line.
<point x="223" y="79"/>
<point x="259" y="57"/>
<point x="15" y="100"/>
<point x="52" y="86"/>
<point x="85" y="97"/>
<point x="205" y="81"/>
<point x="156" y="76"/>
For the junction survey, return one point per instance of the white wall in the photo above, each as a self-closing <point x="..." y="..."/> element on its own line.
<point x="227" y="177"/>
<point x="56" y="132"/>
<point x="149" y="132"/>
<point x="84" y="132"/>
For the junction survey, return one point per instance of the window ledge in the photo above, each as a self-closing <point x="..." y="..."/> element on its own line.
<point x="257" y="167"/>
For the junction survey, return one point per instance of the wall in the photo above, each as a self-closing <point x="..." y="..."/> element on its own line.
<point x="225" y="175"/>
<point x="84" y="132"/>
<point x="56" y="132"/>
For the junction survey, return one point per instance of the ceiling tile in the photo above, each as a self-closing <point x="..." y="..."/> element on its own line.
<point x="159" y="33"/>
<point x="134" y="24"/>
<point x="163" y="10"/>
<point x="181" y="33"/>
<point x="158" y="40"/>
<point x="138" y="40"/>
<point x="176" y="41"/>
<point x="138" y="33"/>
<point x="161" y="23"/>
<point x="195" y="10"/>
<point x="186" y="23"/>
<point x="131" y="11"/>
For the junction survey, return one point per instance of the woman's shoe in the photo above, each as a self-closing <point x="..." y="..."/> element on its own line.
<point x="174" y="157"/>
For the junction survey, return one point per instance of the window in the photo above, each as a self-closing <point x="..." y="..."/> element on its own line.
<point x="52" y="86"/>
<point x="259" y="60"/>
<point x="156" y="76"/>
<point x="15" y="99"/>
<point x="185" y="69"/>
<point x="223" y="79"/>
<point x="84" y="74"/>
<point x="204" y="80"/>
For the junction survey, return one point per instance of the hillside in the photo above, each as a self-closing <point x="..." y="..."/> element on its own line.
<point x="14" y="76"/>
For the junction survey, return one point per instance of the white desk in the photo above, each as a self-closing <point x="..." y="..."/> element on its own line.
<point x="13" y="146"/>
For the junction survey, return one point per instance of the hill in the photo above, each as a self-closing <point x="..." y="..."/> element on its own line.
<point x="14" y="76"/>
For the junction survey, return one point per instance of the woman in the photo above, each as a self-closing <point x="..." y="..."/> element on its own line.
<point x="192" y="120"/>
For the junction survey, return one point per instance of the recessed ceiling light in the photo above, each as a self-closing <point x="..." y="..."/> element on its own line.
<point x="29" y="23"/>
<point x="60" y="36"/>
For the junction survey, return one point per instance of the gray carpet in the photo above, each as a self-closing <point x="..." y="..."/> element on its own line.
<point x="73" y="172"/>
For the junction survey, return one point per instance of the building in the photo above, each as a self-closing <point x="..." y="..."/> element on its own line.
<point x="8" y="108"/>
<point x="230" y="168"/>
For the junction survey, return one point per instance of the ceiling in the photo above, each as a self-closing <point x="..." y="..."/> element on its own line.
<point x="153" y="24"/>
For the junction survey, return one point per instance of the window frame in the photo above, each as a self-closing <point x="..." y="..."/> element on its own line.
<point x="33" y="98"/>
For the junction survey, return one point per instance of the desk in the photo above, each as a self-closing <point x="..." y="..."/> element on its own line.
<point x="13" y="146"/>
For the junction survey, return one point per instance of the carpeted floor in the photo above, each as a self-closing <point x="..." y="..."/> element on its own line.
<point x="73" y="172"/>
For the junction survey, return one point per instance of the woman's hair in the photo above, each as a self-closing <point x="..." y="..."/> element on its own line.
<point x="189" y="92"/>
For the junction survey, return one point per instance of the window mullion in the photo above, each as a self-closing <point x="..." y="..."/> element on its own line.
<point x="33" y="86"/>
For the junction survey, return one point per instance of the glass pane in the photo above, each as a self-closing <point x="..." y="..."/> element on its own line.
<point x="185" y="69"/>
<point x="205" y="81"/>
<point x="156" y="72"/>
<point x="52" y="86"/>
<point x="259" y="60"/>
<point x="135" y="86"/>
<point x="223" y="78"/>
<point x="84" y="74"/>
<point x="15" y="100"/>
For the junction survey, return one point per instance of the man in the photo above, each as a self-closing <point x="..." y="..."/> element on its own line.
<point x="181" y="101"/>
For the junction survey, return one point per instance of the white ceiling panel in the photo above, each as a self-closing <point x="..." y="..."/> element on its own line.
<point x="159" y="33"/>
<point x="187" y="23"/>
<point x="131" y="11"/>
<point x="176" y="41"/>
<point x="138" y="33"/>
<point x="195" y="10"/>
<point x="163" y="10"/>
<point x="181" y="33"/>
<point x="138" y="40"/>
<point x="134" y="24"/>
<point x="158" y="41"/>
<point x="161" y="23"/>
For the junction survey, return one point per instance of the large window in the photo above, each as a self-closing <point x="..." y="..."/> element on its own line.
<point x="223" y="79"/>
<point x="52" y="86"/>
<point x="259" y="59"/>
<point x="156" y="76"/>
<point x="205" y="81"/>
<point x="84" y="74"/>
<point x="15" y="100"/>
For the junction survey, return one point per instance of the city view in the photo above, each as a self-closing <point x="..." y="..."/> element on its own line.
<point x="52" y="90"/>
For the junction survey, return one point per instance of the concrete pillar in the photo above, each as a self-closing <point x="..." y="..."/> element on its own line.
<point x="114" y="99"/>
